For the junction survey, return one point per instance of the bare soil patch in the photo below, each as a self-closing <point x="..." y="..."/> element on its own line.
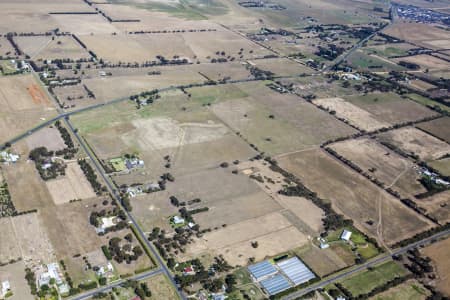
<point x="9" y="248"/>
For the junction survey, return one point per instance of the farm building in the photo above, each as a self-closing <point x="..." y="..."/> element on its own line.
<point x="346" y="235"/>
<point x="52" y="273"/>
<point x="275" y="284"/>
<point x="296" y="271"/>
<point x="262" y="270"/>
<point x="5" y="288"/>
<point x="178" y="220"/>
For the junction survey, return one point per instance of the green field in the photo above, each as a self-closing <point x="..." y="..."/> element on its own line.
<point x="7" y="67"/>
<point x="368" y="280"/>
<point x="442" y="166"/>
<point x="360" y="60"/>
<point x="426" y="101"/>
<point x="118" y="164"/>
<point x="363" y="247"/>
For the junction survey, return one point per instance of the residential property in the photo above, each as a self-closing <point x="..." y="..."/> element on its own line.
<point x="52" y="272"/>
<point x="178" y="220"/>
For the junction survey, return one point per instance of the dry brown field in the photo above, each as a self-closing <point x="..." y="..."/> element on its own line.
<point x="9" y="248"/>
<point x="273" y="232"/>
<point x="124" y="86"/>
<point x="294" y="125"/>
<point x="442" y="165"/>
<point x="354" y="196"/>
<point x="47" y="47"/>
<point x="15" y="274"/>
<point x="281" y="66"/>
<point x="390" y="107"/>
<point x="217" y="72"/>
<point x="6" y="48"/>
<point x="416" y="141"/>
<point x="426" y="62"/>
<point x="437" y="206"/>
<point x="439" y="128"/>
<point x="24" y="105"/>
<point x="72" y="186"/>
<point x="48" y="137"/>
<point x="422" y="85"/>
<point x="439" y="254"/>
<point x="321" y="261"/>
<point x="33" y="239"/>
<point x="390" y="168"/>
<point x="356" y="116"/>
<point x="421" y="34"/>
<point x="161" y="288"/>
<point x="83" y="24"/>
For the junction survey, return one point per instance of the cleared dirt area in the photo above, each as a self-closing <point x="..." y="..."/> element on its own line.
<point x="15" y="274"/>
<point x="273" y="232"/>
<point x="439" y="128"/>
<point x="390" y="107"/>
<point x="416" y="141"/>
<point x="46" y="137"/>
<point x="354" y="196"/>
<point x="439" y="254"/>
<point x="9" y="249"/>
<point x="355" y="115"/>
<point x="72" y="186"/>
<point x="386" y="165"/>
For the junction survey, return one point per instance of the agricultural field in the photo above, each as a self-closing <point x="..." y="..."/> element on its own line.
<point x="24" y="105"/>
<point x="384" y="164"/>
<point x="72" y="186"/>
<point x="47" y="47"/>
<point x="422" y="34"/>
<point x="390" y="107"/>
<point x="416" y="142"/>
<point x="408" y="290"/>
<point x="218" y="134"/>
<point x="439" y="255"/>
<point x="439" y="128"/>
<point x="356" y="116"/>
<point x="48" y="137"/>
<point x="368" y="280"/>
<point x="355" y="196"/>
<point x="389" y="50"/>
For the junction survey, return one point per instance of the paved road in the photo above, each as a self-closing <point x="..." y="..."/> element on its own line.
<point x="117" y="197"/>
<point x="364" y="266"/>
<point x="108" y="287"/>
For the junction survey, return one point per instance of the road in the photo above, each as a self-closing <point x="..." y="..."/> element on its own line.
<point x="373" y="262"/>
<point x="163" y="268"/>
<point x="117" y="283"/>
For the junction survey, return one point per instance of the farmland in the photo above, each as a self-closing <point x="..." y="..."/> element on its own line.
<point x="439" y="256"/>
<point x="159" y="149"/>
<point x="354" y="196"/>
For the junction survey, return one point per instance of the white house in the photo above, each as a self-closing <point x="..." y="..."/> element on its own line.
<point x="346" y="235"/>
<point x="178" y="220"/>
<point x="6" y="287"/>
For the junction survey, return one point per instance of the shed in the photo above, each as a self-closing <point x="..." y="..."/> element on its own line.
<point x="346" y="235"/>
